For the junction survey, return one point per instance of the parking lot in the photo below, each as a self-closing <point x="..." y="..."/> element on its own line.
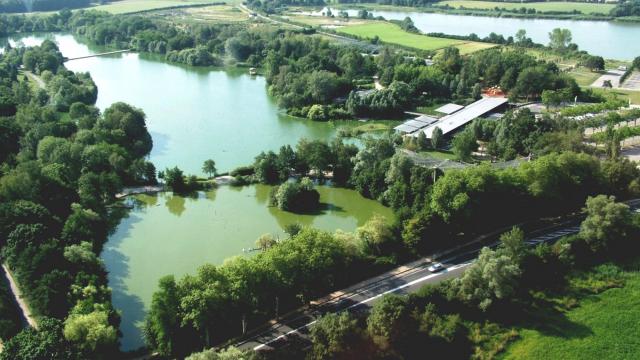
<point x="632" y="82"/>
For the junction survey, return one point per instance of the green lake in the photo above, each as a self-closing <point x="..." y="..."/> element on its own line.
<point x="169" y="234"/>
<point x="194" y="114"/>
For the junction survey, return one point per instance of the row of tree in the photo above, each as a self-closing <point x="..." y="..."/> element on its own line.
<point x="464" y="316"/>
<point x="62" y="164"/>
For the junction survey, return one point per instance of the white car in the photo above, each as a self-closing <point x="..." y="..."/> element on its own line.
<point x="436" y="267"/>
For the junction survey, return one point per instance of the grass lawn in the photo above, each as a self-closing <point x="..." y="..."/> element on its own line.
<point x="601" y="326"/>
<point x="585" y="8"/>
<point x="393" y="34"/>
<point x="584" y="76"/>
<point x="128" y="6"/>
<point x="634" y="96"/>
<point x="438" y="154"/>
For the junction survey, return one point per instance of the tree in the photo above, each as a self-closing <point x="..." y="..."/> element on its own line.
<point x="521" y="36"/>
<point x="47" y="342"/>
<point x="375" y="233"/>
<point x="512" y="244"/>
<point x="449" y="60"/>
<point x="91" y="332"/>
<point x="594" y="63"/>
<point x="209" y="167"/>
<point x="162" y="323"/>
<point x="390" y="319"/>
<point x="292" y="229"/>
<point x="230" y="353"/>
<point x="559" y="39"/>
<point x="423" y="143"/>
<point x="607" y="224"/>
<point x="493" y="276"/>
<point x="174" y="178"/>
<point x="265" y="241"/>
<point x="335" y="336"/>
<point x="267" y="168"/>
<point x="317" y="113"/>
<point x="464" y="143"/>
<point x="476" y="91"/>
<point x="436" y="138"/>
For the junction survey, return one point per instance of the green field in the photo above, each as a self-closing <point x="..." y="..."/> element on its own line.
<point x="602" y="326"/>
<point x="634" y="96"/>
<point x="128" y="6"/>
<point x="437" y="154"/>
<point x="584" y="76"/>
<point x="393" y="34"/>
<point x="585" y="8"/>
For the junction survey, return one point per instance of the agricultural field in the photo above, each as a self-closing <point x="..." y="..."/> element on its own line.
<point x="129" y="6"/>
<point x="209" y="14"/>
<point x="393" y="34"/>
<point x="598" y="326"/>
<point x="583" y="7"/>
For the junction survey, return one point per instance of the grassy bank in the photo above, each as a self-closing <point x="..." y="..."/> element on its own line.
<point x="603" y="325"/>
<point x="585" y="8"/>
<point x="393" y="34"/>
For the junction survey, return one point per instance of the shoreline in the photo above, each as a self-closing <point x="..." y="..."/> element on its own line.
<point x="483" y="13"/>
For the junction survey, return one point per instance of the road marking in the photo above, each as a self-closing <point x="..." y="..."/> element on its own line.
<point x="410" y="283"/>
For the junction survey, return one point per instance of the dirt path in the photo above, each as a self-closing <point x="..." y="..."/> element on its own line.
<point x="26" y="313"/>
<point x="35" y="78"/>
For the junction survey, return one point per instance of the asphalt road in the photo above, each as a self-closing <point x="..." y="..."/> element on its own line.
<point x="406" y="279"/>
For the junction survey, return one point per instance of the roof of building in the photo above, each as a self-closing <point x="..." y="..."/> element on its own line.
<point x="449" y="108"/>
<point x="411" y="126"/>
<point x="451" y="122"/>
<point x="426" y="119"/>
<point x="407" y="129"/>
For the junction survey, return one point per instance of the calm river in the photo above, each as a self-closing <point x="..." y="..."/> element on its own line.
<point x="612" y="40"/>
<point x="194" y="114"/>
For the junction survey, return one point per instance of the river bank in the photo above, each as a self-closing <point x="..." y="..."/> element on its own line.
<point x="489" y="12"/>
<point x="611" y="40"/>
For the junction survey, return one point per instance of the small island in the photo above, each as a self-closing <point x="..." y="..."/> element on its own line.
<point x="298" y="197"/>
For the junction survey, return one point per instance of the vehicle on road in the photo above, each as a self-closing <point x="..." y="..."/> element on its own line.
<point x="437" y="267"/>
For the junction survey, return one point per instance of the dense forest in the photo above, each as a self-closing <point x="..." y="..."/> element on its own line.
<point x="62" y="164"/>
<point x="627" y="8"/>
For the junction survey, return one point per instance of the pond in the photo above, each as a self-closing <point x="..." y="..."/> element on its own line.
<point x="609" y="39"/>
<point x="194" y="114"/>
<point x="169" y="234"/>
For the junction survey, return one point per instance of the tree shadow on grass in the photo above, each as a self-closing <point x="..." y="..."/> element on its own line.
<point x="541" y="315"/>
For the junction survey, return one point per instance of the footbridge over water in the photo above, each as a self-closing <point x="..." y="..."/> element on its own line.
<point x="96" y="55"/>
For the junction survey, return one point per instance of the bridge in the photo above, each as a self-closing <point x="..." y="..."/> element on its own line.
<point x="96" y="55"/>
